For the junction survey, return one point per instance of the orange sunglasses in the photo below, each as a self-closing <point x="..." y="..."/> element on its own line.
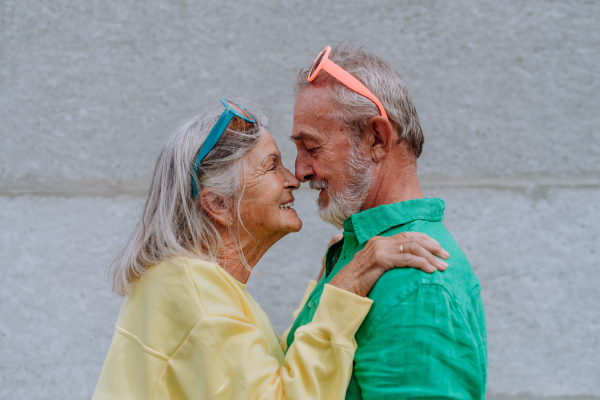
<point x="323" y="62"/>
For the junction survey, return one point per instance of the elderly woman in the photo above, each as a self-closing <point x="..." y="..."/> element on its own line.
<point x="220" y="198"/>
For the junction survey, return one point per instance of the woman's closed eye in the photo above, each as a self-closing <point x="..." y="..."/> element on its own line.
<point x="271" y="162"/>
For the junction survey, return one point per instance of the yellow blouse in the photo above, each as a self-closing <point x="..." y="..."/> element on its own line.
<point x="189" y="330"/>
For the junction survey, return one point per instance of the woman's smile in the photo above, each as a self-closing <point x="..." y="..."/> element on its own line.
<point x="288" y="205"/>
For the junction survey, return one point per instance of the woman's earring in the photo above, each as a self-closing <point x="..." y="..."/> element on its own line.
<point x="229" y="222"/>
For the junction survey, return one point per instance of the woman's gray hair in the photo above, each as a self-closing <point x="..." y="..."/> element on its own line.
<point x="175" y="224"/>
<point x="354" y="111"/>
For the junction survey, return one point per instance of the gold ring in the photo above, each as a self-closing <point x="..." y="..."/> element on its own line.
<point x="400" y="249"/>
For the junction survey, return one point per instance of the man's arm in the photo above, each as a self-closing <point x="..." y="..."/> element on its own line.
<point x="422" y="347"/>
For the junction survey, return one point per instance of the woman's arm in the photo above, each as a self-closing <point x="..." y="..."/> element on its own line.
<point x="406" y="249"/>
<point x="311" y="286"/>
<point x="418" y="251"/>
<point x="228" y="357"/>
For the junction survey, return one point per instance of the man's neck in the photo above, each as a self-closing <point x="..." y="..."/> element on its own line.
<point x="393" y="184"/>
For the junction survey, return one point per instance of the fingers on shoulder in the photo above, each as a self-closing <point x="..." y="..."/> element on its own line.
<point x="414" y="236"/>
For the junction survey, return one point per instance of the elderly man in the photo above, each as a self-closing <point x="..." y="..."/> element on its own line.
<point x="358" y="138"/>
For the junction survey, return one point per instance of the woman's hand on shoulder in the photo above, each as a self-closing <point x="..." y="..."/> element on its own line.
<point x="406" y="249"/>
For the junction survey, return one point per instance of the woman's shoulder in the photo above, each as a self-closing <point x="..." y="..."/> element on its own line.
<point x="194" y="281"/>
<point x="175" y="269"/>
<point x="173" y="296"/>
<point x="218" y="291"/>
<point x="162" y="308"/>
<point x="171" y="277"/>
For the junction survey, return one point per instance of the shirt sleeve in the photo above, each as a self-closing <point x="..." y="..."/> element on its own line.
<point x="421" y="348"/>
<point x="283" y="339"/>
<point x="309" y="289"/>
<point x="227" y="357"/>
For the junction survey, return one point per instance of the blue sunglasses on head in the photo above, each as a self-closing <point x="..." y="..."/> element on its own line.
<point x="231" y="109"/>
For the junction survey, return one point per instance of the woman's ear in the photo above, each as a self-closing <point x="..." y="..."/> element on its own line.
<point x="381" y="137"/>
<point x="215" y="206"/>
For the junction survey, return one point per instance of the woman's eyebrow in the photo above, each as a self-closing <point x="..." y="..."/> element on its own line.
<point x="275" y="156"/>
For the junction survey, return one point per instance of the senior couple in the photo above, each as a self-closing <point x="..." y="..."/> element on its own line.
<point x="221" y="197"/>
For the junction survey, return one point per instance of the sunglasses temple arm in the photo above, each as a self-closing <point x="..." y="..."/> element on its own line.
<point x="209" y="143"/>
<point x="353" y="84"/>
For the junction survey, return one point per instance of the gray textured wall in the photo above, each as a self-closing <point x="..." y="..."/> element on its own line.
<point x="508" y="94"/>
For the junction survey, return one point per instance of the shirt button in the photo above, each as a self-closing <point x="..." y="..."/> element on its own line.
<point x="310" y="304"/>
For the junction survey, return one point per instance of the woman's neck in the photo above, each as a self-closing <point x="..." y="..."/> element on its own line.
<point x="252" y="249"/>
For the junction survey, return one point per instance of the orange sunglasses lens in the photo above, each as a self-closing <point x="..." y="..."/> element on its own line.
<point x="239" y="110"/>
<point x="313" y="69"/>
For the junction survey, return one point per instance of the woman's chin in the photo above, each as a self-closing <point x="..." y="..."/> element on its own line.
<point x="290" y="222"/>
<point x="293" y="225"/>
<point x="296" y="227"/>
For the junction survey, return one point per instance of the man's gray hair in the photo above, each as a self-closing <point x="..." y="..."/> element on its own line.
<point x="354" y="111"/>
<point x="175" y="224"/>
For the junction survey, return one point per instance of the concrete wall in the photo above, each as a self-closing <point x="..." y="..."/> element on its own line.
<point x="508" y="94"/>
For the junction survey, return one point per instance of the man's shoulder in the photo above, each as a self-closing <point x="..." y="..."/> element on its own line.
<point x="459" y="274"/>
<point x="458" y="284"/>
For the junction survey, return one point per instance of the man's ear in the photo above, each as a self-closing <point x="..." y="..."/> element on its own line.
<point x="380" y="136"/>
<point x="215" y="206"/>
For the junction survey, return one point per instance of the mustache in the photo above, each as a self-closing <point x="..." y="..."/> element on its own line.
<point x="317" y="185"/>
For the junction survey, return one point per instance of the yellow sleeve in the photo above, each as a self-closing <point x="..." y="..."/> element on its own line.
<point x="311" y="286"/>
<point x="309" y="289"/>
<point x="227" y="357"/>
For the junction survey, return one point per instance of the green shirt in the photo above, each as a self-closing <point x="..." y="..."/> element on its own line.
<point x="425" y="335"/>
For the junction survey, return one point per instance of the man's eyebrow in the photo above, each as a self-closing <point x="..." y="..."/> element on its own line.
<point x="301" y="136"/>
<point x="274" y="155"/>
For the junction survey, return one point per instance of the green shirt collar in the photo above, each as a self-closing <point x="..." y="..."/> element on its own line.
<point x="374" y="221"/>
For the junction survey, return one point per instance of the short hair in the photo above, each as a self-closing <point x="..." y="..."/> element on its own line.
<point x="354" y="111"/>
<point x="174" y="223"/>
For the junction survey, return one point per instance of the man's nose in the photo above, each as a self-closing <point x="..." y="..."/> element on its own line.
<point x="303" y="170"/>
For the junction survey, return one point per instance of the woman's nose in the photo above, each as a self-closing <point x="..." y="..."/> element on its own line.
<point x="291" y="182"/>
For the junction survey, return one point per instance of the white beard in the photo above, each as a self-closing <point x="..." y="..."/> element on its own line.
<point x="350" y="199"/>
